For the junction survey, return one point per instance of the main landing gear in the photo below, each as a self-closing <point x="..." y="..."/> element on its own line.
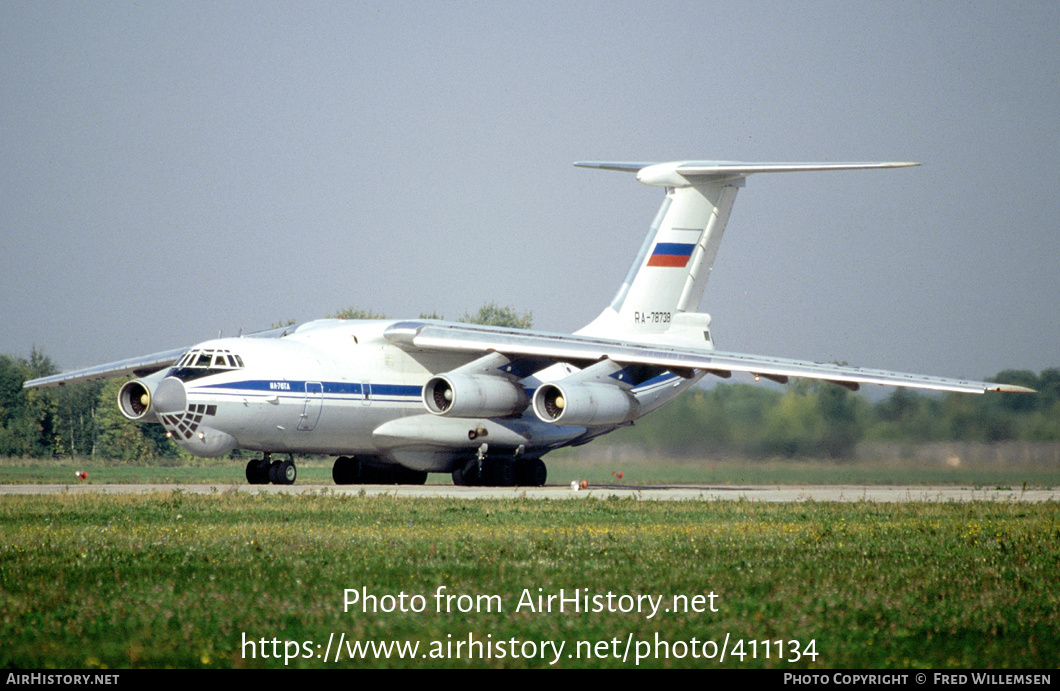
<point x="355" y="471"/>
<point x="262" y="471"/>
<point x="501" y="471"/>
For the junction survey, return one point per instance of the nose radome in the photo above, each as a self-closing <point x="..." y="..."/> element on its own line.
<point x="170" y="396"/>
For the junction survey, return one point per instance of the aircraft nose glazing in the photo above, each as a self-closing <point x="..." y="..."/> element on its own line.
<point x="170" y="396"/>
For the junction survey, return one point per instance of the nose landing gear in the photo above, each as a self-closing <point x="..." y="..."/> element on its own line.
<point x="262" y="471"/>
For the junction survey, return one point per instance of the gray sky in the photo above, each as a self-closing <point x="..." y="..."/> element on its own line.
<point x="172" y="170"/>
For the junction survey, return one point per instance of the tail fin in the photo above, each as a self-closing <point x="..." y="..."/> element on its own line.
<point x="664" y="286"/>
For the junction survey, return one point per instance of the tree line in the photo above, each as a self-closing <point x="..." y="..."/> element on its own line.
<point x="807" y="418"/>
<point x="820" y="419"/>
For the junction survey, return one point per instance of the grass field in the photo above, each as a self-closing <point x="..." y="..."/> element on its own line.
<point x="599" y="466"/>
<point x="175" y="579"/>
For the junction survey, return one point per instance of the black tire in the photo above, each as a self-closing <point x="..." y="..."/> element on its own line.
<point x="286" y="473"/>
<point x="346" y="471"/>
<point x="467" y="475"/>
<point x="531" y="473"/>
<point x="408" y="476"/>
<point x="258" y="472"/>
<point x="498" y="472"/>
<point x="392" y="475"/>
<point x="374" y="475"/>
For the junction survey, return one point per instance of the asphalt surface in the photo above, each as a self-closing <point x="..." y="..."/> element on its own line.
<point x="776" y="493"/>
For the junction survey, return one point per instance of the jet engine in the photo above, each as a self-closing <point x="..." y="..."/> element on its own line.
<point x="474" y="395"/>
<point x="584" y="404"/>
<point x="134" y="400"/>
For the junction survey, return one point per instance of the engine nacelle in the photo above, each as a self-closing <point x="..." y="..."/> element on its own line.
<point x="584" y="405"/>
<point x="134" y="400"/>
<point x="471" y="395"/>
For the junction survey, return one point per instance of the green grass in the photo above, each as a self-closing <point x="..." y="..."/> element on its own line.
<point x="563" y="467"/>
<point x="177" y="579"/>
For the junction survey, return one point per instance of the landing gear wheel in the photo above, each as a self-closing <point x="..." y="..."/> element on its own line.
<point x="391" y="475"/>
<point x="467" y="475"/>
<point x="355" y="471"/>
<point x="416" y="477"/>
<point x="287" y="473"/>
<point x="531" y="473"/>
<point x="498" y="472"/>
<point x="283" y="472"/>
<point x="346" y="471"/>
<point x="258" y="472"/>
<point x="489" y="472"/>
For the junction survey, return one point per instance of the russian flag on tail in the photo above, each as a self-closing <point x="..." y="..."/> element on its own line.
<point x="671" y="254"/>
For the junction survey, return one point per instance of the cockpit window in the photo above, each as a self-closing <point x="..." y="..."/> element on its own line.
<point x="198" y="363"/>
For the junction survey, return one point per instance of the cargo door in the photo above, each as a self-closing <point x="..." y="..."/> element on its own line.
<point x="314" y="401"/>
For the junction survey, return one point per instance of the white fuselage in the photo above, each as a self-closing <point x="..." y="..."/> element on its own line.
<point x="339" y="387"/>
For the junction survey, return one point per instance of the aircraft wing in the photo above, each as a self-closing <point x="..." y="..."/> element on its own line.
<point x="138" y="366"/>
<point x="586" y="350"/>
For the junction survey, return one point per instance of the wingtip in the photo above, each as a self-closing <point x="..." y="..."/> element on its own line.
<point x="1011" y="388"/>
<point x="620" y="166"/>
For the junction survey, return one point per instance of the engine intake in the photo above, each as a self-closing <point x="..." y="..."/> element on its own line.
<point x="134" y="401"/>
<point x="585" y="405"/>
<point x="454" y="395"/>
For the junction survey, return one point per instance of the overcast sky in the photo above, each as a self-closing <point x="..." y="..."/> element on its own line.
<point x="171" y="170"/>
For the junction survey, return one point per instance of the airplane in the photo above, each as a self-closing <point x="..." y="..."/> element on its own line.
<point x="397" y="400"/>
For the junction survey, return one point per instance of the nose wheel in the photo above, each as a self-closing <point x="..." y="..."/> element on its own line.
<point x="262" y="471"/>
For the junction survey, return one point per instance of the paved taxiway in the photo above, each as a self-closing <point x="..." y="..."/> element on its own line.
<point x="831" y="493"/>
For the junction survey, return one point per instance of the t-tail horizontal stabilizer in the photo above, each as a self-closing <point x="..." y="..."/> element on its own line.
<point x="682" y="173"/>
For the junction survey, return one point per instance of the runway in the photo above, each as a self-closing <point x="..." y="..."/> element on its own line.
<point x="774" y="494"/>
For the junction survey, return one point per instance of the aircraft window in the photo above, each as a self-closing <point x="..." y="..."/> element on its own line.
<point x="202" y="363"/>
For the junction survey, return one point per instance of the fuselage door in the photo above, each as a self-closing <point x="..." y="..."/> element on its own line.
<point x="314" y="400"/>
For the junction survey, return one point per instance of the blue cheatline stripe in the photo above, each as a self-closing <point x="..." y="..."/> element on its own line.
<point x="297" y="388"/>
<point x="379" y="391"/>
<point x="396" y="390"/>
<point x="664" y="379"/>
